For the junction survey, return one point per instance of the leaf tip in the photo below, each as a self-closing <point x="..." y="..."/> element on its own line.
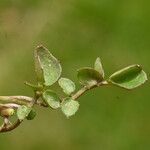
<point x="99" y="67"/>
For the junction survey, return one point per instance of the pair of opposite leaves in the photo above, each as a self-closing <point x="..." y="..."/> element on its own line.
<point x="48" y="70"/>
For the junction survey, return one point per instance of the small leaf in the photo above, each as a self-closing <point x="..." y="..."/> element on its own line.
<point x="31" y="115"/>
<point x="23" y="112"/>
<point x="47" y="67"/>
<point x="52" y="99"/>
<point x="89" y="76"/>
<point x="98" y="66"/>
<point x="69" y="107"/>
<point x="67" y="85"/>
<point x="129" y="77"/>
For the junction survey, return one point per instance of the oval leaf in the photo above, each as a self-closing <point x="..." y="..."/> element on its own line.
<point x="52" y="99"/>
<point x="23" y="112"/>
<point x="47" y="67"/>
<point x="69" y="107"/>
<point x="67" y="85"/>
<point x="98" y="66"/>
<point x="89" y="76"/>
<point x="31" y="115"/>
<point x="129" y="77"/>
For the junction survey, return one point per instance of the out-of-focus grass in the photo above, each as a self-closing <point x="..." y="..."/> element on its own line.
<point x="77" y="31"/>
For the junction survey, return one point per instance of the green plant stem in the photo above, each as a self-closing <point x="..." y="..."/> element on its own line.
<point x="87" y="88"/>
<point x="81" y="92"/>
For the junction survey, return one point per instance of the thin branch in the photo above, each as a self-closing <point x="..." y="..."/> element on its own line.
<point x="80" y="92"/>
<point x="16" y="101"/>
<point x="87" y="88"/>
<point x="20" y="100"/>
<point x="10" y="127"/>
<point x="9" y="105"/>
<point x="39" y="103"/>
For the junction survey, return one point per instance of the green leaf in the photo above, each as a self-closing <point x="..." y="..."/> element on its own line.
<point x="98" y="66"/>
<point x="69" y="107"/>
<point x="129" y="77"/>
<point x="23" y="112"/>
<point x="89" y="76"/>
<point x="31" y="115"/>
<point x="47" y="67"/>
<point x="67" y="85"/>
<point x="51" y="98"/>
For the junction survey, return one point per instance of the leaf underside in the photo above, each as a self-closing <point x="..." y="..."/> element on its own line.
<point x="69" y="107"/>
<point x="67" y="85"/>
<point x="52" y="99"/>
<point x="23" y="112"/>
<point x="47" y="67"/>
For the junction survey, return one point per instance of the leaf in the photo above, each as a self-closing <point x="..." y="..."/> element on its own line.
<point x="48" y="68"/>
<point x="22" y="112"/>
<point x="98" y="66"/>
<point x="89" y="76"/>
<point x="31" y="115"/>
<point x="69" y="107"/>
<point x="51" y="98"/>
<point x="67" y="85"/>
<point x="129" y="77"/>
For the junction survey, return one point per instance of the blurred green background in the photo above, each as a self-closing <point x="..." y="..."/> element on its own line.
<point x="77" y="31"/>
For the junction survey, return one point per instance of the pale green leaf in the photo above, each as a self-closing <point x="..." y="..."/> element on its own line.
<point x="67" y="85"/>
<point x="89" y="76"/>
<point x="69" y="107"/>
<point x="129" y="77"/>
<point x="23" y="112"/>
<point x="51" y="98"/>
<point x="47" y="67"/>
<point x="98" y="66"/>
